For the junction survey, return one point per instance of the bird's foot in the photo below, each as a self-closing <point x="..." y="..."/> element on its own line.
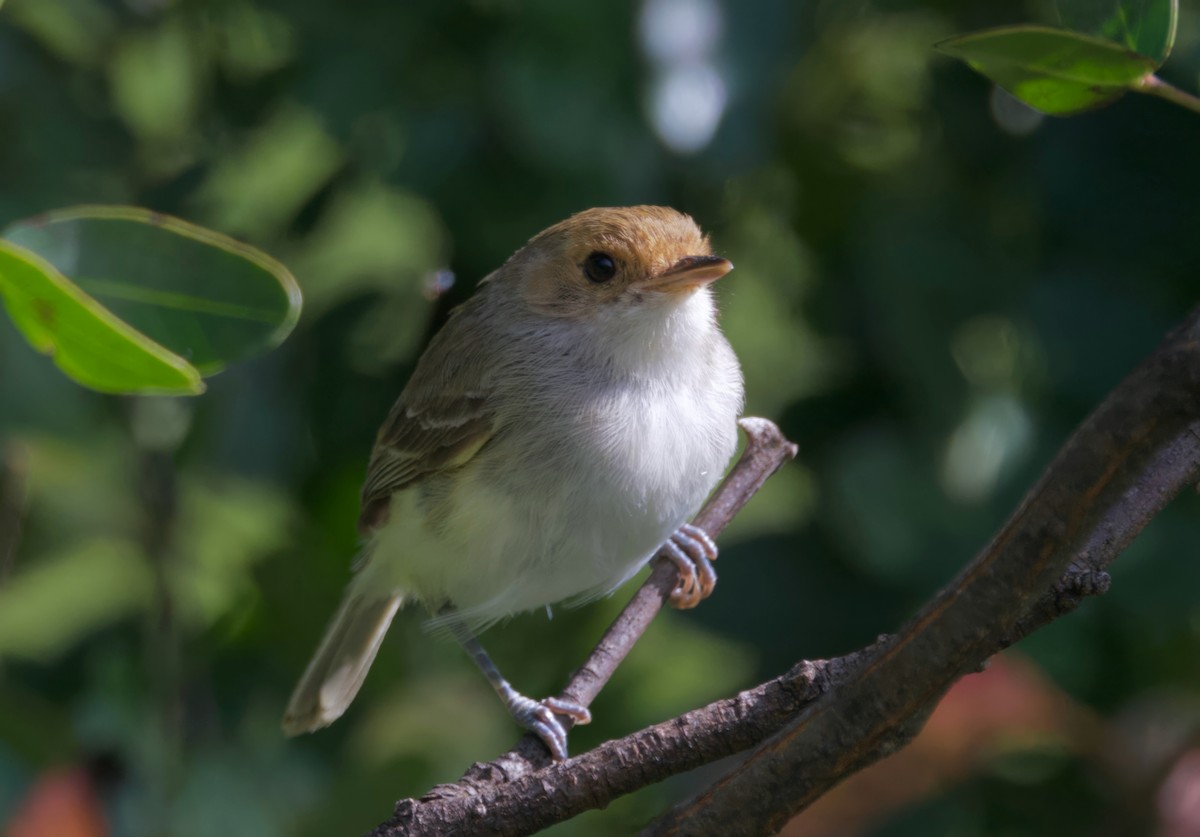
<point x="539" y="717"/>
<point x="692" y="551"/>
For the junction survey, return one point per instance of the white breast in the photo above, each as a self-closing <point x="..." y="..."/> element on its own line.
<point x="581" y="486"/>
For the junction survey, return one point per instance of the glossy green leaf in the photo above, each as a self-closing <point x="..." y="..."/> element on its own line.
<point x="1056" y="71"/>
<point x="204" y="296"/>
<point x="87" y="341"/>
<point x="1145" y="26"/>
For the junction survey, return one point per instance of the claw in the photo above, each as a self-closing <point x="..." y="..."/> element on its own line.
<point x="576" y="712"/>
<point x="692" y="551"/>
<point x="539" y="718"/>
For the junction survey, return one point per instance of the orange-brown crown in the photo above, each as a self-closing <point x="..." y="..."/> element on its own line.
<point x="562" y="270"/>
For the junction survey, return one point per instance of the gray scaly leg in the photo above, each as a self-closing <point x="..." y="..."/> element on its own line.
<point x="536" y="716"/>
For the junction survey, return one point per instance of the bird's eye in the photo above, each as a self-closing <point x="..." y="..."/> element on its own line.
<point x="600" y="267"/>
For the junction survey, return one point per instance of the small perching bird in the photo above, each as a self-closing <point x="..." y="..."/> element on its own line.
<point x="565" y="422"/>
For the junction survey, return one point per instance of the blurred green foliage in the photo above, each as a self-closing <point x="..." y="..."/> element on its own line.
<point x="934" y="286"/>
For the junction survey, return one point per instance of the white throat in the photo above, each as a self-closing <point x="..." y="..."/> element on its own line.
<point x="642" y="339"/>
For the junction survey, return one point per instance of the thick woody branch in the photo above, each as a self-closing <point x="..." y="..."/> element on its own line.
<point x="824" y="720"/>
<point x="1134" y="454"/>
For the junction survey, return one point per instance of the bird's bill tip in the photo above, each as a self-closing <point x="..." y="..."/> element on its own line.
<point x="689" y="273"/>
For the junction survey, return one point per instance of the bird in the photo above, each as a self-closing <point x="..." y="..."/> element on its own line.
<point x="564" y="423"/>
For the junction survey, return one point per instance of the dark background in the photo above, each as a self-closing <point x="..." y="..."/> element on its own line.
<point x="933" y="287"/>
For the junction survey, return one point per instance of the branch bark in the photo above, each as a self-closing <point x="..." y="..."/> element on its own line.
<point x="824" y="720"/>
<point x="1134" y="454"/>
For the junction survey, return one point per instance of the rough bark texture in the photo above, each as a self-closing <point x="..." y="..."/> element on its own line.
<point x="824" y="720"/>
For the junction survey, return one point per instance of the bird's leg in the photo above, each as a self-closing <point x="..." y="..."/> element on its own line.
<point x="692" y="551"/>
<point x="536" y="716"/>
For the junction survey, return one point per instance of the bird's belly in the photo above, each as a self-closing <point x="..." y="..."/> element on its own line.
<point x="569" y="514"/>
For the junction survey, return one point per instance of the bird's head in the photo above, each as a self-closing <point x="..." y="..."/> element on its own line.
<point x="605" y="260"/>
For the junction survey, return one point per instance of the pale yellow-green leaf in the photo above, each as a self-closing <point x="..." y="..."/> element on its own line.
<point x="155" y="79"/>
<point x="225" y="527"/>
<point x="52" y="604"/>
<point x="256" y="188"/>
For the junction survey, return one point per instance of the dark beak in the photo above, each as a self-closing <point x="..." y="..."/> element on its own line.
<point x="689" y="273"/>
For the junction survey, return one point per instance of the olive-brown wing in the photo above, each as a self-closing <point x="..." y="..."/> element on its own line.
<point x="419" y="440"/>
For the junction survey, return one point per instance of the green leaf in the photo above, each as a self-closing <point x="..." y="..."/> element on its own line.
<point x="86" y="341"/>
<point x="204" y="296"/>
<point x="1054" y="70"/>
<point x="1145" y="26"/>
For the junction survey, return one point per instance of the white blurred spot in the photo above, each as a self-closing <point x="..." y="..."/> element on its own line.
<point x="1013" y="115"/>
<point x="437" y="283"/>
<point x="996" y="432"/>
<point x="686" y="104"/>
<point x="687" y="94"/>
<point x="160" y="424"/>
<point x="679" y="30"/>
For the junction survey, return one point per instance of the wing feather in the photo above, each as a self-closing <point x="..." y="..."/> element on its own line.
<point x="445" y="415"/>
<point x="416" y="441"/>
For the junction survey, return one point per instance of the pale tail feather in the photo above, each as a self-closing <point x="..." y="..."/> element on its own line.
<point x="338" y="668"/>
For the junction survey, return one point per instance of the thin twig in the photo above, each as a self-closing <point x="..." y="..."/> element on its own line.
<point x="1152" y="85"/>
<point x="766" y="450"/>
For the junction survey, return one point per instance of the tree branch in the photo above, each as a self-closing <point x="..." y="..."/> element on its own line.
<point x="824" y="720"/>
<point x="1134" y="454"/>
